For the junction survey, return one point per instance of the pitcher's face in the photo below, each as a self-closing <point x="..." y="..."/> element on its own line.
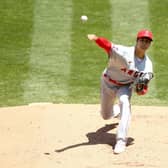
<point x="143" y="43"/>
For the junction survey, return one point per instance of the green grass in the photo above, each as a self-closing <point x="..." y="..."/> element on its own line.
<point x="45" y="55"/>
<point x="50" y="53"/>
<point x="87" y="60"/>
<point x="15" y="41"/>
<point x="159" y="24"/>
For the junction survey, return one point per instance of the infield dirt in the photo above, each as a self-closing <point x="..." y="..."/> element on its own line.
<point x="73" y="136"/>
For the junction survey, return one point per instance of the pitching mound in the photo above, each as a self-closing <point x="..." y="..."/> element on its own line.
<point x="75" y="136"/>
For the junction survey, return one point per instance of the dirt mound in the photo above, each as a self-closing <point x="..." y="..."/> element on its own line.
<point x="71" y="136"/>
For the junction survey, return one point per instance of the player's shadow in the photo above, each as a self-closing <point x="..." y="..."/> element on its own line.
<point x="101" y="136"/>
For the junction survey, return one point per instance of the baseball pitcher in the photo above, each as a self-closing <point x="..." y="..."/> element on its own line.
<point x="129" y="69"/>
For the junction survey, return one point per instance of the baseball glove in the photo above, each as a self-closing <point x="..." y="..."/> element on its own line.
<point x="141" y="86"/>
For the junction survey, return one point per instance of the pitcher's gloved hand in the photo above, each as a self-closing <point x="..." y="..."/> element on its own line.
<point x="141" y="86"/>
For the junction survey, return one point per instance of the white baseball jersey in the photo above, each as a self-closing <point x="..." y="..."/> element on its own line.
<point x="124" y="66"/>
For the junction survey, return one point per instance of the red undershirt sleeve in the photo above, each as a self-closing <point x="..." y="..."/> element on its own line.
<point x="104" y="43"/>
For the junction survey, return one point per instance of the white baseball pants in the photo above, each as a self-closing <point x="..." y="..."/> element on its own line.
<point x="109" y="93"/>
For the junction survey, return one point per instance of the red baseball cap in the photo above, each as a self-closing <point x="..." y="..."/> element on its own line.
<point x="145" y="33"/>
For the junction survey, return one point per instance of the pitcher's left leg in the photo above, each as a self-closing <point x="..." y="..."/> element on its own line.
<point x="124" y="98"/>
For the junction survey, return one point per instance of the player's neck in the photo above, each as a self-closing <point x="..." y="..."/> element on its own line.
<point x="139" y="53"/>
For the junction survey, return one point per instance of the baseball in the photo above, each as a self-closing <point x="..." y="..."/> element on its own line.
<point x="84" y="18"/>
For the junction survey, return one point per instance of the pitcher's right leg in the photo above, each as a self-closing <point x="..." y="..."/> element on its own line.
<point x="108" y="96"/>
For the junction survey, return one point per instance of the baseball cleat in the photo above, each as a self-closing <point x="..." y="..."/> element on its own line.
<point x="120" y="146"/>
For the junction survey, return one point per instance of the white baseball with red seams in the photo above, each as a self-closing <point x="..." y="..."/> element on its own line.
<point x="84" y="18"/>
